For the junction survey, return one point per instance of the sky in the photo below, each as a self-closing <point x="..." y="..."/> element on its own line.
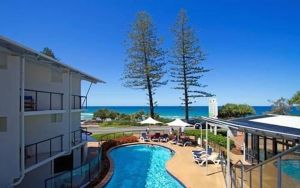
<point x="251" y="47"/>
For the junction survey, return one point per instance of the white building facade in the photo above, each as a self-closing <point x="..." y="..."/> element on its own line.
<point x="212" y="108"/>
<point x="40" y="106"/>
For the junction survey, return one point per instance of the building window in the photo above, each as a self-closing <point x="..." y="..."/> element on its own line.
<point x="56" y="76"/>
<point x="3" y="61"/>
<point x="56" y="118"/>
<point x="3" y="124"/>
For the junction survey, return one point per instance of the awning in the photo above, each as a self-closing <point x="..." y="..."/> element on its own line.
<point x="150" y="121"/>
<point x="178" y="123"/>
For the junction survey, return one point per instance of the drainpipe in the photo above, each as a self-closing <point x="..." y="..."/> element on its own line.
<point x="70" y="112"/>
<point x="22" y="131"/>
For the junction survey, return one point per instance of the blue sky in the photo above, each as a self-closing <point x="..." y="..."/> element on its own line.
<point x="252" y="47"/>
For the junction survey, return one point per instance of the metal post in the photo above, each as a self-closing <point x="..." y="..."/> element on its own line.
<point x="228" y="160"/>
<point x="201" y="135"/>
<point x="206" y="148"/>
<point x="215" y="130"/>
<point x="80" y="105"/>
<point x="279" y="172"/>
<point x="50" y="147"/>
<point x="61" y="143"/>
<point x="36" y="156"/>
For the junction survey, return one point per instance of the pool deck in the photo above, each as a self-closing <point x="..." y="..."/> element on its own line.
<point x="183" y="167"/>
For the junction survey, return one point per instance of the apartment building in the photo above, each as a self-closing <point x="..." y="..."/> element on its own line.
<point x="40" y="106"/>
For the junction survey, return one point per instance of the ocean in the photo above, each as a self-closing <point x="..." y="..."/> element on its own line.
<point x="169" y="111"/>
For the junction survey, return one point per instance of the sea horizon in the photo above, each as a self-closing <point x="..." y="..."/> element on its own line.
<point x="171" y="112"/>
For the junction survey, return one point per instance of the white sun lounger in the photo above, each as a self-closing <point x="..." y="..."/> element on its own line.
<point x="210" y="158"/>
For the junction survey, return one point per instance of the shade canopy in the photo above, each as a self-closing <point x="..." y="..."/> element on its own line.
<point x="178" y="123"/>
<point x="151" y="121"/>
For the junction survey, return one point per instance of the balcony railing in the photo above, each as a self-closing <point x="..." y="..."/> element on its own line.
<point x="78" y="137"/>
<point x="40" y="151"/>
<point x="78" y="177"/>
<point x="79" y="102"/>
<point x="35" y="100"/>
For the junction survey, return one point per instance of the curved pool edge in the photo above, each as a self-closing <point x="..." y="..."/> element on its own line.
<point x="110" y="172"/>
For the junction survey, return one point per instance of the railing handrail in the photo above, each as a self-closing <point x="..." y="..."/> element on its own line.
<point x="32" y="90"/>
<point x="274" y="157"/>
<point x="44" y="141"/>
<point x="79" y="96"/>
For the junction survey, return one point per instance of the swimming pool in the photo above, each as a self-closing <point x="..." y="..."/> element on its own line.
<point x="141" y="166"/>
<point x="291" y="167"/>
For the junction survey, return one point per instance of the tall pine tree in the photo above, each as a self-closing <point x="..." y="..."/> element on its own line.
<point x="145" y="67"/>
<point x="187" y="60"/>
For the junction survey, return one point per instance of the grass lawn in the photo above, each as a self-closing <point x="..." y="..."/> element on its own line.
<point x="119" y="123"/>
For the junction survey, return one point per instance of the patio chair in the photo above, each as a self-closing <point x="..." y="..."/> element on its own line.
<point x="165" y="138"/>
<point x="174" y="141"/>
<point x="144" y="137"/>
<point x="156" y="137"/>
<point x="29" y="104"/>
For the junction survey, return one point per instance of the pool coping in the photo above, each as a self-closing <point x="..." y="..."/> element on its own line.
<point x="110" y="172"/>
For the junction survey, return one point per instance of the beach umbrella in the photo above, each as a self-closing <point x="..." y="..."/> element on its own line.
<point x="178" y="123"/>
<point x="150" y="121"/>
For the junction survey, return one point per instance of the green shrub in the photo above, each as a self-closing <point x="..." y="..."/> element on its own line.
<point x="110" y="136"/>
<point x="218" y="139"/>
<point x="235" y="111"/>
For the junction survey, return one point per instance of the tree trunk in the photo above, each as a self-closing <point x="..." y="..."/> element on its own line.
<point x="186" y="97"/>
<point x="151" y="107"/>
<point x="150" y="97"/>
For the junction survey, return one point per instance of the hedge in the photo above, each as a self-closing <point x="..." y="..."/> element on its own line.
<point x="218" y="139"/>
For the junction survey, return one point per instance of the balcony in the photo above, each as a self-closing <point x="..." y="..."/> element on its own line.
<point x="79" y="136"/>
<point x="80" y="176"/>
<point x="79" y="102"/>
<point x="38" y="152"/>
<point x="35" y="100"/>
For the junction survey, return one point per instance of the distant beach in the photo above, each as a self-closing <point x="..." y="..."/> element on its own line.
<point x="169" y="111"/>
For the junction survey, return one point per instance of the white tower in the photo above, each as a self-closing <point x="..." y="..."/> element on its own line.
<point x="212" y="108"/>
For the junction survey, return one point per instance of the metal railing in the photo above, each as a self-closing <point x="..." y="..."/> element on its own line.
<point x="268" y="173"/>
<point x="42" y="150"/>
<point x="77" y="136"/>
<point x="36" y="100"/>
<point x="79" y="102"/>
<point x="78" y="177"/>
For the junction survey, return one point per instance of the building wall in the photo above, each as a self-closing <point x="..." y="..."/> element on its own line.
<point x="38" y="76"/>
<point x="41" y="127"/>
<point x="36" y="177"/>
<point x="9" y="108"/>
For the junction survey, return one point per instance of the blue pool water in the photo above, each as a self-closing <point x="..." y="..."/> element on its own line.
<point x="141" y="166"/>
<point x="291" y="167"/>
